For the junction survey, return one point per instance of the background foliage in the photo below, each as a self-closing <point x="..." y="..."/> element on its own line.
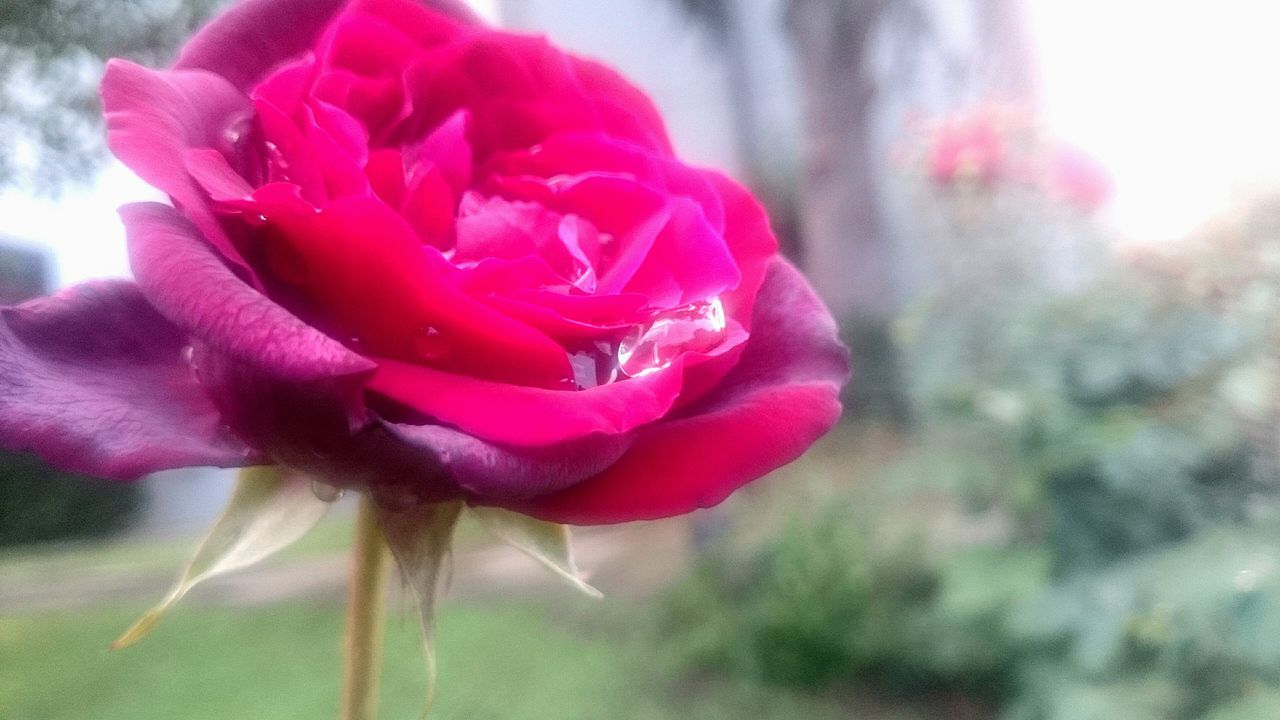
<point x="51" y="56"/>
<point x="1083" y="523"/>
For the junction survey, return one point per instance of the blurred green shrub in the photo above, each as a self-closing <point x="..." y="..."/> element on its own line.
<point x="1087" y="524"/>
<point x="44" y="505"/>
<point x="824" y="601"/>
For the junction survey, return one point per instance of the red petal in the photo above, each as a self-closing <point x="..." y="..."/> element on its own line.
<point x="780" y="398"/>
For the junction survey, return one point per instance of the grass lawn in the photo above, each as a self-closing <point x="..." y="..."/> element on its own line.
<point x="146" y="554"/>
<point x="281" y="662"/>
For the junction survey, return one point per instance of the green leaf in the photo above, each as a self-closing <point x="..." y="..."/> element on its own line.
<point x="548" y="543"/>
<point x="269" y="510"/>
<point x="420" y="540"/>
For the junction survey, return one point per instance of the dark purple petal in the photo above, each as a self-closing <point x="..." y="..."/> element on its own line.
<point x="247" y="41"/>
<point x="311" y="426"/>
<point x="93" y="380"/>
<point x="188" y="284"/>
<point x="780" y="397"/>
<point x="490" y="470"/>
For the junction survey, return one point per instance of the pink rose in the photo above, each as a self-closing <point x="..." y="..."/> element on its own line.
<point x="414" y="254"/>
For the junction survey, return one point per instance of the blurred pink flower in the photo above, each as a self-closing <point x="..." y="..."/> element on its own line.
<point x="968" y="147"/>
<point x="1078" y="178"/>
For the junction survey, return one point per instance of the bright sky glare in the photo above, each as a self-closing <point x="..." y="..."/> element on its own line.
<point x="1176" y="98"/>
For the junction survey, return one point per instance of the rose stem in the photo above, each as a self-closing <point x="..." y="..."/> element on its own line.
<point x="370" y="562"/>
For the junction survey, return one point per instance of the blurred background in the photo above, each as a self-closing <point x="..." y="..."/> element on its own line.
<point x="1051" y="232"/>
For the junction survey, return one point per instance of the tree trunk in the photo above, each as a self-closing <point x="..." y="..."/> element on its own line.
<point x="846" y="250"/>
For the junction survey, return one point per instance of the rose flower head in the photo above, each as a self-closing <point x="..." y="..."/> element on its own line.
<point x="417" y="256"/>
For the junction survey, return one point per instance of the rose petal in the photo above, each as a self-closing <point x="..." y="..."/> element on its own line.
<point x="369" y="46"/>
<point x="750" y="240"/>
<point x="378" y="103"/>
<point x="247" y="41"/>
<point x="561" y="327"/>
<point x="188" y="284"/>
<point x="448" y="149"/>
<point x="428" y="207"/>
<point x="753" y="246"/>
<point x="527" y="416"/>
<point x="291" y="158"/>
<point x="93" y="381"/>
<point x="428" y="23"/>
<point x="580" y="154"/>
<point x="368" y="272"/>
<point x="154" y="118"/>
<point x="625" y="110"/>
<point x="687" y="262"/>
<point x="289" y="85"/>
<point x="492" y="470"/>
<point x="385" y="170"/>
<point x="343" y="171"/>
<point x="211" y="171"/>
<point x="782" y="395"/>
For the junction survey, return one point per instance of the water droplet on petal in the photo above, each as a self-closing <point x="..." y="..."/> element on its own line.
<point x="325" y="492"/>
<point x="594" y="363"/>
<point x="431" y="344"/>
<point x="189" y="357"/>
<point x="277" y="163"/>
<point x="584" y="369"/>
<point x="236" y="133"/>
<point x="697" y="327"/>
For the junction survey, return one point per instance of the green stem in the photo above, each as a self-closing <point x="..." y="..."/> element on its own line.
<point x="370" y="564"/>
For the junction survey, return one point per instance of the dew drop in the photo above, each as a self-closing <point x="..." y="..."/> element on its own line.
<point x="236" y="133"/>
<point x="188" y="355"/>
<point x="277" y="163"/>
<point x="325" y="492"/>
<point x="594" y="363"/>
<point x="697" y="327"/>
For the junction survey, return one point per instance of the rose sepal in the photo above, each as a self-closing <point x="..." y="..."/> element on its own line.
<point x="269" y="510"/>
<point x="551" y="544"/>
